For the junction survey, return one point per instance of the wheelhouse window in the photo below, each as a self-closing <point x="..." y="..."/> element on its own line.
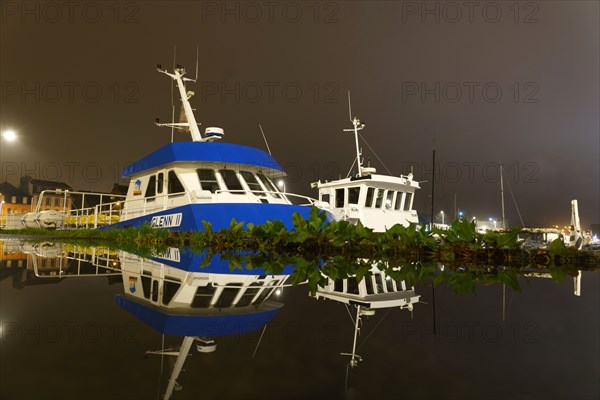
<point x="352" y="285"/>
<point x="369" y="285"/>
<point x="160" y="183"/>
<point x="389" y="285"/>
<point x="269" y="185"/>
<point x="228" y="295"/>
<point x="249" y="294"/>
<point x="379" y="283"/>
<point x="151" y="189"/>
<point x="408" y="201"/>
<point x="169" y="290"/>
<point x="203" y="296"/>
<point x="339" y="198"/>
<point x="146" y="282"/>
<point x="208" y="179"/>
<point x="379" y="198"/>
<point x="154" y="291"/>
<point x="398" y="204"/>
<point x="325" y="198"/>
<point x="231" y="181"/>
<point x="388" y="199"/>
<point x="353" y="194"/>
<point x="338" y="285"/>
<point x="174" y="183"/>
<point x="370" y="193"/>
<point x="252" y="183"/>
<point x="400" y="285"/>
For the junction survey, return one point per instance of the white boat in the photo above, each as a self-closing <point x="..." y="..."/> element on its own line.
<point x="378" y="201"/>
<point x="184" y="183"/>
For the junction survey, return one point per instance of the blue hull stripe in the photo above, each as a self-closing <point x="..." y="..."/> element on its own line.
<point x="220" y="215"/>
<point x="190" y="261"/>
<point x="197" y="325"/>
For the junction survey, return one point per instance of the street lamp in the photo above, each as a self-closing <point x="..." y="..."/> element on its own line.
<point x="460" y="215"/>
<point x="442" y="212"/>
<point x="9" y="135"/>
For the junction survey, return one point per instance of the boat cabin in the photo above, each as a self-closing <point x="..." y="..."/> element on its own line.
<point x="378" y="201"/>
<point x="183" y="173"/>
<point x="374" y="291"/>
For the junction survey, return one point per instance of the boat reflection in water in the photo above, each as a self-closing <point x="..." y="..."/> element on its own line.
<point x="375" y="291"/>
<point x="174" y="293"/>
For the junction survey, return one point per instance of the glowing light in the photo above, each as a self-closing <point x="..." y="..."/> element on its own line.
<point x="10" y="136"/>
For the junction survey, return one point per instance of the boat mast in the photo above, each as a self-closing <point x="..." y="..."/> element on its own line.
<point x="357" y="127"/>
<point x="178" y="76"/>
<point x="181" y="357"/>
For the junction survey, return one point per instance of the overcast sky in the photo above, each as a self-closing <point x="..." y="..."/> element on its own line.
<point x="487" y="82"/>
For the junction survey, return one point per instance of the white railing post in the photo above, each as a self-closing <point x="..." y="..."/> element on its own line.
<point x="96" y="216"/>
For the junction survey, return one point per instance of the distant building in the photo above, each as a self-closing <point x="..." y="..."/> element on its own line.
<point x="50" y="201"/>
<point x="119" y="189"/>
<point x="13" y="200"/>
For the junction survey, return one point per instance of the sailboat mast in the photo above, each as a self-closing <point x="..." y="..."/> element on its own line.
<point x="432" y="186"/>
<point x="502" y="195"/>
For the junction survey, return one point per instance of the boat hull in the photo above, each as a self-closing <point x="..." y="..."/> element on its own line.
<point x="189" y="217"/>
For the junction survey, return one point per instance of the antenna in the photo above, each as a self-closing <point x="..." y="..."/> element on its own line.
<point x="265" y="138"/>
<point x="357" y="127"/>
<point x="197" y="52"/>
<point x="349" y="107"/>
<point x="172" y="102"/>
<point x="190" y="125"/>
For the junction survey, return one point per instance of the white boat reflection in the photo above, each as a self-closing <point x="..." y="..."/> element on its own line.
<point x="373" y="292"/>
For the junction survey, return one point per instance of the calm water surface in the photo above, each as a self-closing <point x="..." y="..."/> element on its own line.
<point x="85" y="334"/>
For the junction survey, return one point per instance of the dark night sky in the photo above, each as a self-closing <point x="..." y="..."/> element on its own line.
<point x="541" y="56"/>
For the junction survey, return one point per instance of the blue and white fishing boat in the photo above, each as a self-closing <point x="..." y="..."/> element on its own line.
<point x="184" y="183"/>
